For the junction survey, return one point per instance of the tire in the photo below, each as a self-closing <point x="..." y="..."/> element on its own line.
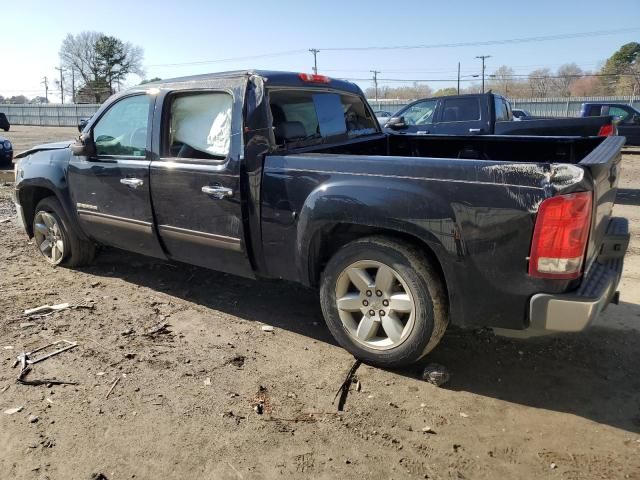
<point x="416" y="326"/>
<point x="74" y="251"/>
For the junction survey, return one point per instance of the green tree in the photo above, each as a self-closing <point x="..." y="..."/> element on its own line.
<point x="623" y="69"/>
<point x="446" y="91"/>
<point x="154" y="79"/>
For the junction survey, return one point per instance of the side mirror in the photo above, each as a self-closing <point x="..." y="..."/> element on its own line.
<point x="396" y="123"/>
<point x="82" y="123"/>
<point x="635" y="119"/>
<point x="83" y="147"/>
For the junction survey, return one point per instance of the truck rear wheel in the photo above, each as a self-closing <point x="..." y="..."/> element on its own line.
<point x="56" y="241"/>
<point x="383" y="301"/>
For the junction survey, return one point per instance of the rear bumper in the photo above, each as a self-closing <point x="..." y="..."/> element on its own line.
<point x="574" y="311"/>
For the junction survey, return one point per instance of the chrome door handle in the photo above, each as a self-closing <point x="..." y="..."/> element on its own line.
<point x="132" y="182"/>
<point x="475" y="130"/>
<point x="217" y="191"/>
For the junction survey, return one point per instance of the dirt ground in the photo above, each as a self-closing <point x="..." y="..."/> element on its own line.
<point x="559" y="407"/>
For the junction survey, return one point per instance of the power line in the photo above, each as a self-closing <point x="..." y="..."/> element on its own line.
<point x="564" y="36"/>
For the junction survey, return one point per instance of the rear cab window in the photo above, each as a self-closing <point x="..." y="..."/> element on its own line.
<point x="460" y="109"/>
<point x="314" y="117"/>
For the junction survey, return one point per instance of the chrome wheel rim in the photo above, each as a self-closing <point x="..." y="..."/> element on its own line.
<point x="48" y="237"/>
<point x="375" y="305"/>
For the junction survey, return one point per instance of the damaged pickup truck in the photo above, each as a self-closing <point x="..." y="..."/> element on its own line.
<point x="289" y="176"/>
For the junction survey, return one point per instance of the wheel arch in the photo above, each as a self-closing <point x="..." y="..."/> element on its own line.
<point x="329" y="238"/>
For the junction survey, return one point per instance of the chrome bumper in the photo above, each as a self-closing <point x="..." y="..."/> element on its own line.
<point x="574" y="311"/>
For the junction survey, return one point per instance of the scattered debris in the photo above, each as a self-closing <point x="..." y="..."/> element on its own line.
<point x="4" y="389"/>
<point x="553" y="466"/>
<point x="47" y="309"/>
<point x="5" y="220"/>
<point x="261" y="403"/>
<point x="12" y="411"/>
<point x="113" y="385"/>
<point x="343" y="391"/>
<point x="237" y="361"/>
<point x="159" y="328"/>
<point x="33" y="418"/>
<point x="267" y="328"/>
<point x="358" y="386"/>
<point x="127" y="332"/>
<point x="130" y="355"/>
<point x="27" y="324"/>
<point x="464" y="415"/>
<point x="95" y="284"/>
<point x="8" y="347"/>
<point x="436" y="374"/>
<point x="25" y="361"/>
<point x="101" y="374"/>
<point x="98" y="476"/>
<point x="207" y="381"/>
<point x="428" y="430"/>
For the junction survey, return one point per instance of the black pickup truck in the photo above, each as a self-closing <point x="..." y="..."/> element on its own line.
<point x="629" y="118"/>
<point x="289" y="176"/>
<point x="487" y="114"/>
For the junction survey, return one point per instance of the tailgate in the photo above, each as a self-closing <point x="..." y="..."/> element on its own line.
<point x="603" y="164"/>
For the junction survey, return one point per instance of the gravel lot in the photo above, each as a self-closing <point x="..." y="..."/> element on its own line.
<point x="553" y="407"/>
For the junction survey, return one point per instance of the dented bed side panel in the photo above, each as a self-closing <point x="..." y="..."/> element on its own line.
<point x="476" y="216"/>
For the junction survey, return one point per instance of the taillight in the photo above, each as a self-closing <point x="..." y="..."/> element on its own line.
<point x="313" y="78"/>
<point x="607" y="131"/>
<point x="560" y="236"/>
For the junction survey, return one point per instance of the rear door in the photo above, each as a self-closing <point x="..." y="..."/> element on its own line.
<point x="461" y="116"/>
<point x="627" y="127"/>
<point x="111" y="189"/>
<point x="195" y="182"/>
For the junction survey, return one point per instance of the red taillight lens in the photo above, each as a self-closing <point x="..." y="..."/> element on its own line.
<point x="607" y="131"/>
<point x="560" y="236"/>
<point x="313" y="78"/>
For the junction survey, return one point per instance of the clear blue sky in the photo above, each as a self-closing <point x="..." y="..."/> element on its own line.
<point x="199" y="30"/>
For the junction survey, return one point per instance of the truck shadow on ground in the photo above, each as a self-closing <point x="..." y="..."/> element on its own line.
<point x="628" y="196"/>
<point x="592" y="374"/>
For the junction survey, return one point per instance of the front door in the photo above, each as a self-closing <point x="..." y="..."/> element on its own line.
<point x="195" y="183"/>
<point x="110" y="190"/>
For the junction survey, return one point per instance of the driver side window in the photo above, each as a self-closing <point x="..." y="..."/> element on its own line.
<point x="122" y="130"/>
<point x="421" y="113"/>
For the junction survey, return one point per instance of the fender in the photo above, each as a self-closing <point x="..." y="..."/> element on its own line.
<point x="376" y="202"/>
<point x="45" y="167"/>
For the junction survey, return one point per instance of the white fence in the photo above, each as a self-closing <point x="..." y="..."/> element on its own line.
<point x="48" y="114"/>
<point x="69" y="115"/>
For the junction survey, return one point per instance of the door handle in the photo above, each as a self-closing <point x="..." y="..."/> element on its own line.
<point x="475" y="130"/>
<point x="131" y="182"/>
<point x="217" y="191"/>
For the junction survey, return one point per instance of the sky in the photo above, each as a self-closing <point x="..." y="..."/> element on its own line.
<point x="173" y="32"/>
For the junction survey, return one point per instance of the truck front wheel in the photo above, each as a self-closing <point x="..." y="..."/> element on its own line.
<point x="383" y="301"/>
<point x="55" y="239"/>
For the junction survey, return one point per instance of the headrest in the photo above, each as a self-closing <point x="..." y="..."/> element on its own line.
<point x="289" y="131"/>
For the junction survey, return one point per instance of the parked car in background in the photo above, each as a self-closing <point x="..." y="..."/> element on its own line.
<point x="629" y="125"/>
<point x="520" y="114"/>
<point x="289" y="176"/>
<point x="383" y="116"/>
<point x="487" y="114"/>
<point x="6" y="152"/>
<point x="4" y="122"/>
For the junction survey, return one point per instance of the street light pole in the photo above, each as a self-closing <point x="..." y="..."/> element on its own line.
<point x="483" y="57"/>
<point x="458" y="78"/>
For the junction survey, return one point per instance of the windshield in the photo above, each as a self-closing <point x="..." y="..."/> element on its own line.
<point x="301" y="115"/>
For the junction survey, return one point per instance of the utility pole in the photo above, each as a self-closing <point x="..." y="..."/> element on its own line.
<point x="458" y="78"/>
<point x="73" y="85"/>
<point x="315" y="52"/>
<point x="61" y="84"/>
<point x="375" y="81"/>
<point x="483" y="57"/>
<point x="45" y="82"/>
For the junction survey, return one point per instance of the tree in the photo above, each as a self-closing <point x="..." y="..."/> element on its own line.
<point x="446" y="91"/>
<point x="502" y="80"/>
<point x="154" y="79"/>
<point x="540" y="82"/>
<point x="18" y="100"/>
<point x="587" y="85"/>
<point x="2" y="99"/>
<point x="38" y="100"/>
<point x="624" y="68"/>
<point x="567" y="74"/>
<point x="102" y="62"/>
